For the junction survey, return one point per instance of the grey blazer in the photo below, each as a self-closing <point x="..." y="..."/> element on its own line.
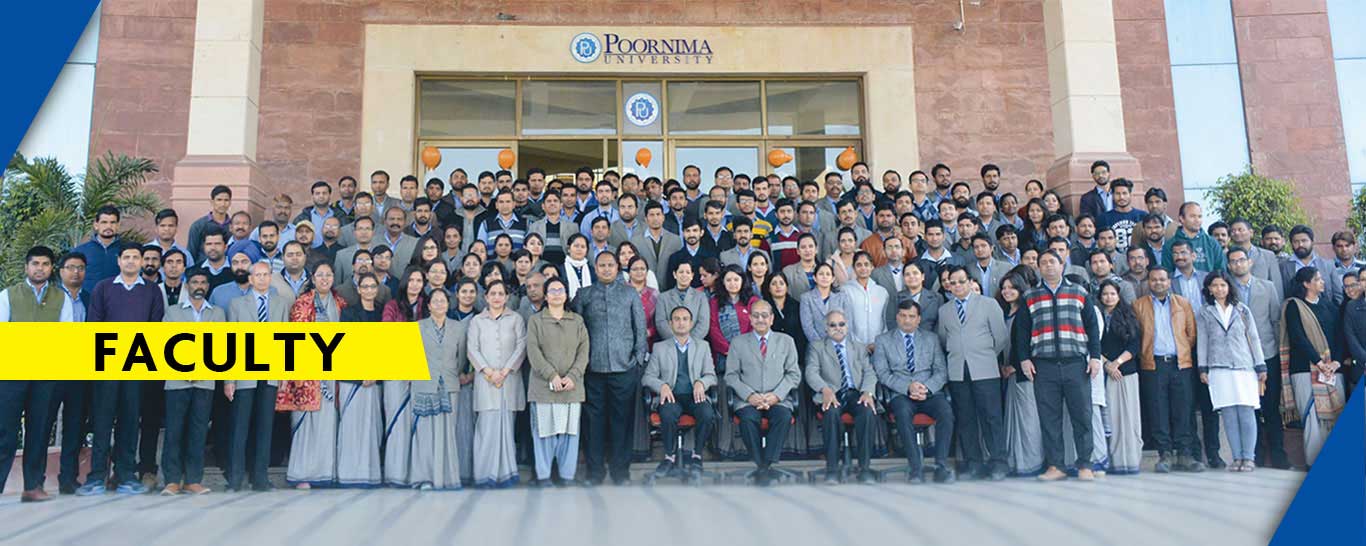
<point x="669" y="243"/>
<point x="889" y="362"/>
<point x="1236" y="347"/>
<point x="732" y="257"/>
<point x="747" y="372"/>
<point x="662" y="368"/>
<point x="567" y="227"/>
<point x="814" y="310"/>
<point x="829" y="238"/>
<point x="1265" y="305"/>
<point x="618" y="235"/>
<point x="243" y="309"/>
<point x="797" y="285"/>
<point x="976" y="343"/>
<point x="446" y="354"/>
<point x="403" y="252"/>
<point x="929" y="308"/>
<point x="998" y="272"/>
<point x="693" y="300"/>
<point x="343" y="264"/>
<point x="823" y="368"/>
<point x="178" y="313"/>
<point x="1265" y="265"/>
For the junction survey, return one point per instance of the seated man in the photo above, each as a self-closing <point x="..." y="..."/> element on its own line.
<point x="681" y="390"/>
<point x="910" y="363"/>
<point x="762" y="371"/>
<point x="838" y="372"/>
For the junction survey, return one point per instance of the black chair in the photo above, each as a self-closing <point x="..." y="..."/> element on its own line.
<point x="784" y="475"/>
<point x="921" y="423"/>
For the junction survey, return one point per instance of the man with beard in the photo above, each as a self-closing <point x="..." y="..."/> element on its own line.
<point x="267" y="249"/>
<point x="305" y="234"/>
<point x="422" y="218"/>
<point x="167" y="224"/>
<point x="1302" y="245"/>
<point x="402" y="245"/>
<point x="556" y="227"/>
<point x="991" y="178"/>
<point x="943" y="179"/>
<point x="1154" y="237"/>
<point x="379" y="190"/>
<point x="215" y="259"/>
<point x="151" y="263"/>
<point x="782" y="241"/>
<point x="1008" y="244"/>
<point x="289" y="282"/>
<point x="327" y="251"/>
<point x="443" y="206"/>
<point x="866" y="199"/>
<point x="34" y="300"/>
<point x="948" y="214"/>
<point x="241" y="267"/>
<point x="968" y="226"/>
<point x="962" y="198"/>
<point x="834" y="193"/>
<point x="281" y="211"/>
<point x="472" y="211"/>
<point x="586" y="201"/>
<point x="1273" y="239"/>
<point x="628" y="209"/>
<point x="220" y="198"/>
<point x="1156" y="201"/>
<point x="885" y="224"/>
<point x="172" y="275"/>
<point x="535" y="184"/>
<point x="1122" y="217"/>
<point x="102" y="250"/>
<point x="153" y="405"/>
<point x="1100" y="199"/>
<point x="521" y="199"/>
<point x="715" y="236"/>
<point x="606" y="197"/>
<point x="1209" y="256"/>
<point x="763" y="201"/>
<point x="693" y="252"/>
<point x="321" y="210"/>
<point x="346" y="190"/>
<point x="188" y="403"/>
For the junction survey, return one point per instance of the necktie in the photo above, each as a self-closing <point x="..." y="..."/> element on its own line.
<point x="986" y="280"/>
<point x="763" y="346"/>
<point x="261" y="309"/>
<point x="578" y="274"/>
<point x="910" y="353"/>
<point x="962" y="311"/>
<point x="844" y="366"/>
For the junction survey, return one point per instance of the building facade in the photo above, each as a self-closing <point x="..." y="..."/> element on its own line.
<point x="268" y="96"/>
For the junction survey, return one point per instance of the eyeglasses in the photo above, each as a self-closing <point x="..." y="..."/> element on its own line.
<point x="836" y="324"/>
<point x="555" y="291"/>
<point x="1239" y="261"/>
<point x="364" y="261"/>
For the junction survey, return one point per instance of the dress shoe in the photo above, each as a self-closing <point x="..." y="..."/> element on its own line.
<point x="943" y="474"/>
<point x="621" y="482"/>
<point x="1196" y="466"/>
<point x="998" y="473"/>
<point x="67" y="488"/>
<point x="915" y="476"/>
<point x="866" y="477"/>
<point x="35" y="495"/>
<point x="1053" y="475"/>
<point x="832" y="477"/>
<point x="171" y="490"/>
<point x="1085" y="474"/>
<point x="262" y="487"/>
<point x="196" y="489"/>
<point x="1215" y="463"/>
<point x="762" y="477"/>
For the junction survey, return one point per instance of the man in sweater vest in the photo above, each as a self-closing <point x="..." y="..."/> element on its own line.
<point x="126" y="297"/>
<point x="1060" y="355"/>
<point x="34" y="300"/>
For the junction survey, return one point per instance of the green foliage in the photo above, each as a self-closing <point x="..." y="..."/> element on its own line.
<point x="1356" y="216"/>
<point x="41" y="204"/>
<point x="1260" y="199"/>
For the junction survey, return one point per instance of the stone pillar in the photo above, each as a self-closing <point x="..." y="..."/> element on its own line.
<point x="224" y="112"/>
<point x="1083" y="78"/>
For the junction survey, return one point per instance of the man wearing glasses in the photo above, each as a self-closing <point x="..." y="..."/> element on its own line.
<point x="974" y="332"/>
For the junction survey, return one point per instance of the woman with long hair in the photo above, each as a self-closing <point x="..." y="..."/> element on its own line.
<point x="493" y="270"/>
<point x="465" y="307"/>
<point x="451" y="252"/>
<point x="1035" y="232"/>
<point x="497" y="347"/>
<point x="1119" y="348"/>
<point x="729" y="320"/>
<point x="1311" y="359"/>
<point x="360" y="428"/>
<point x="313" y="440"/>
<point x="787" y="318"/>
<point x="557" y="351"/>
<point x="758" y="271"/>
<point x="435" y="457"/>
<point x="409" y="306"/>
<point x="1231" y="363"/>
<point x="578" y="273"/>
<point x="1024" y="437"/>
<point x="1053" y="204"/>
<point x="534" y="244"/>
<point x="428" y="248"/>
<point x="626" y="253"/>
<point x="709" y="272"/>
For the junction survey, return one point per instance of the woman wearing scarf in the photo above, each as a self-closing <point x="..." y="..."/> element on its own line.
<point x="578" y="273"/>
<point x="313" y="448"/>
<point x="435" y="459"/>
<point x="497" y="347"/>
<point x="557" y="350"/>
<point x="1311" y="355"/>
<point x="360" y="430"/>
<point x="409" y="306"/>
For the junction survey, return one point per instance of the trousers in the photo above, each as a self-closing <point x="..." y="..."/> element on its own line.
<point x="33" y="401"/>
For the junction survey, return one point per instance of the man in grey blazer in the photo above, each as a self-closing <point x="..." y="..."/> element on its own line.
<point x="681" y="390"/>
<point x="1263" y="298"/>
<point x="928" y="300"/>
<point x="830" y="234"/>
<point x="253" y="401"/>
<point x="365" y="236"/>
<point x="628" y="223"/>
<point x="683" y="294"/>
<point x="402" y="244"/>
<point x="974" y="331"/>
<point x="364" y="208"/>
<point x="1265" y="264"/>
<point x="985" y="269"/>
<point x="910" y="363"/>
<point x="762" y="372"/>
<point x="742" y="231"/>
<point x="655" y="243"/>
<point x="844" y="382"/>
<point x="188" y="403"/>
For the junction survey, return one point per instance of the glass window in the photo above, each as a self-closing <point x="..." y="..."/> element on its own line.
<point x="1351" y="80"/>
<point x="1209" y="123"/>
<point x="560" y="158"/>
<point x="1200" y="32"/>
<point x="810" y="162"/>
<point x="714" y="108"/>
<point x="1346" y="18"/>
<point x="643" y="116"/>
<point x="564" y="107"/>
<point x="465" y="108"/>
<point x="631" y="151"/>
<point x="472" y="159"/>
<point x="740" y="160"/>
<point x="813" y="108"/>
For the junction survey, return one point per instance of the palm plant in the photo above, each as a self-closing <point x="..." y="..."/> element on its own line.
<point x="41" y="204"/>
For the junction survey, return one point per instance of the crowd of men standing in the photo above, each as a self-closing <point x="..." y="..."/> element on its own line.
<point x="765" y="315"/>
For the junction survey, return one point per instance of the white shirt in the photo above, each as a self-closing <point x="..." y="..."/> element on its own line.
<point x="866" y="310"/>
<point x="67" y="313"/>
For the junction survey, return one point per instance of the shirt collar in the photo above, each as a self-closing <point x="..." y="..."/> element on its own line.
<point x="682" y="346"/>
<point x="186" y="304"/>
<point x="118" y="279"/>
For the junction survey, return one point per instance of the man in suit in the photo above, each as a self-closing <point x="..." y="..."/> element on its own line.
<point x="290" y="281"/>
<point x="693" y="252"/>
<point x="985" y="268"/>
<point x="839" y="373"/>
<point x="679" y="373"/>
<point x="915" y="281"/>
<point x="1099" y="200"/>
<point x="762" y="372"/>
<point x="365" y="234"/>
<point x="1060" y="353"/>
<point x="628" y="224"/>
<point x="1264" y="263"/>
<point x="911" y="364"/>
<point x="655" y="243"/>
<point x="379" y="189"/>
<point x="974" y="330"/>
<point x="1303" y="255"/>
<point x="1167" y="366"/>
<point x="188" y="403"/>
<point x="364" y="208"/>
<point x="847" y="216"/>
<point x="401" y="243"/>
<point x="253" y="402"/>
<point x="889" y="276"/>
<point x="1262" y="297"/>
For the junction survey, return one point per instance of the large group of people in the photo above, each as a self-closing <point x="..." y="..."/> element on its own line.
<point x="758" y="319"/>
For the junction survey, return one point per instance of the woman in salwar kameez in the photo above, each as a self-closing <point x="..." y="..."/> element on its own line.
<point x="313" y="444"/>
<point x="434" y="460"/>
<point x="398" y="410"/>
<point x="497" y="347"/>
<point x="1311" y="356"/>
<point x="557" y="352"/>
<point x="464" y="309"/>
<point x="360" y="428"/>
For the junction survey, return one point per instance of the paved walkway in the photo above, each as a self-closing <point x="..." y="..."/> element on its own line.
<point x="1213" y="508"/>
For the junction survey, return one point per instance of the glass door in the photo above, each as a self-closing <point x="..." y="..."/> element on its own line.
<point x="473" y="157"/>
<point x="740" y="157"/>
<point x="811" y="161"/>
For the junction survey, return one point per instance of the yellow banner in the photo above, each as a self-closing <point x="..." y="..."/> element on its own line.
<point x="211" y="350"/>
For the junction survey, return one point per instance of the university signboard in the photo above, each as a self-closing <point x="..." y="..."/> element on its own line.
<point x="612" y="48"/>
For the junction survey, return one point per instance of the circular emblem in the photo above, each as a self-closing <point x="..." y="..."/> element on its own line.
<point x="642" y="109"/>
<point x="585" y="47"/>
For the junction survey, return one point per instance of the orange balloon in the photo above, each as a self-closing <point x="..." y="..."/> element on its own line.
<point x="431" y="157"/>
<point x="506" y="158"/>
<point x="778" y="158"/>
<point x="846" y="159"/>
<point x="643" y="157"/>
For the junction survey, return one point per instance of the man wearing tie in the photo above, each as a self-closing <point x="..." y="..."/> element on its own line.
<point x="253" y="402"/>
<point x="680" y="372"/>
<point x="911" y="364"/>
<point x="839" y="373"/>
<point x="974" y="329"/>
<point x="763" y="373"/>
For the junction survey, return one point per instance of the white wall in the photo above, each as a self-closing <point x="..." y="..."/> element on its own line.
<point x="62" y="126"/>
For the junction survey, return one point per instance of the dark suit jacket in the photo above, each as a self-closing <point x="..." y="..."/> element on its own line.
<point x="1091" y="204"/>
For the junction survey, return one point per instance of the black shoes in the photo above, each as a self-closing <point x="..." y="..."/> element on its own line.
<point x="998" y="472"/>
<point x="665" y="469"/>
<point x="1216" y="462"/>
<point x="866" y="477"/>
<point x="942" y="474"/>
<point x="1163" y="466"/>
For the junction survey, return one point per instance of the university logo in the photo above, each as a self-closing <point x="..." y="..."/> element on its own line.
<point x="642" y="109"/>
<point x="585" y="47"/>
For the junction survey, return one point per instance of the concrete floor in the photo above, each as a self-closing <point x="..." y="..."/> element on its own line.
<point x="1213" y="508"/>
